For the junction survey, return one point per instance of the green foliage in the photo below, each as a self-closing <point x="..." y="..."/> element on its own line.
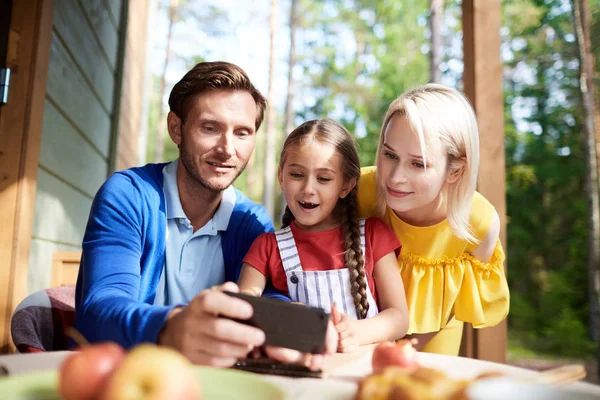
<point x="366" y="54"/>
<point x="546" y="203"/>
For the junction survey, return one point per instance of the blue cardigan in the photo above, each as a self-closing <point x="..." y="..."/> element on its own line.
<point x="124" y="254"/>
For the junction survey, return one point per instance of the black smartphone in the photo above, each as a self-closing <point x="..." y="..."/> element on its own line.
<point x="293" y="326"/>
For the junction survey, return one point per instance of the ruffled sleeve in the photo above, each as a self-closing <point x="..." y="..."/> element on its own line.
<point x="484" y="298"/>
<point x="473" y="291"/>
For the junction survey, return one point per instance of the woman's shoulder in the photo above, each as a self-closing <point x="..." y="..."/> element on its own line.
<point x="367" y="191"/>
<point x="482" y="214"/>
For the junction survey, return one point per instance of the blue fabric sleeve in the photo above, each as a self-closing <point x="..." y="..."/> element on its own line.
<point x="110" y="303"/>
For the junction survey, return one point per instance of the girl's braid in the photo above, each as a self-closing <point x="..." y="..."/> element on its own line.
<point x="355" y="261"/>
<point x="287" y="218"/>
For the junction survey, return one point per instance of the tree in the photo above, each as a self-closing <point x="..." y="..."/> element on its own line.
<point x="268" y="198"/>
<point x="582" y="28"/>
<point x="160" y="137"/>
<point x="291" y="84"/>
<point x="436" y="51"/>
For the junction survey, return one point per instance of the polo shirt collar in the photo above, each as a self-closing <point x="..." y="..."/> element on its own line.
<point x="174" y="209"/>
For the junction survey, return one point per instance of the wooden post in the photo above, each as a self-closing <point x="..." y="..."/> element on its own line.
<point x="20" y="136"/>
<point x="482" y="81"/>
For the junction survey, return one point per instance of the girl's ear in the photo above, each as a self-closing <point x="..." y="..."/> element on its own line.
<point x="174" y="126"/>
<point x="280" y="177"/>
<point x="347" y="188"/>
<point x="456" y="169"/>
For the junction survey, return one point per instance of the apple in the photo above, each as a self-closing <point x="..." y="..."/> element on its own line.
<point x="400" y="354"/>
<point x="84" y="373"/>
<point x="155" y="373"/>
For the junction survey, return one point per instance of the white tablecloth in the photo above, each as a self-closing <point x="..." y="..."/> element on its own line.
<point x="343" y="371"/>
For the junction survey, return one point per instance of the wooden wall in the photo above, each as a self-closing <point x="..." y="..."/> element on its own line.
<point x="92" y="119"/>
<point x="76" y="135"/>
<point x="20" y="131"/>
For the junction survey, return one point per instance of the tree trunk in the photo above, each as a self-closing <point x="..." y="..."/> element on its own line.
<point x="268" y="198"/>
<point x="291" y="87"/>
<point x="436" y="15"/>
<point x="582" y="27"/>
<point x="160" y="126"/>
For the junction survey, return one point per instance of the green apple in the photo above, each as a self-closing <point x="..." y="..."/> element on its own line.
<point x="154" y="373"/>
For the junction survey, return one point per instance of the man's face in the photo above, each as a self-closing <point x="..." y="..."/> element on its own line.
<point x="217" y="137"/>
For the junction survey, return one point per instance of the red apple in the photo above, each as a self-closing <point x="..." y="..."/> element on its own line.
<point x="154" y="373"/>
<point x="84" y="373"/>
<point x="400" y="354"/>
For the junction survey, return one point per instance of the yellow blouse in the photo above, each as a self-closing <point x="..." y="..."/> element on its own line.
<point x="440" y="275"/>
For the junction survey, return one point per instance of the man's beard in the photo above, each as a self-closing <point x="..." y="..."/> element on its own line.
<point x="188" y="163"/>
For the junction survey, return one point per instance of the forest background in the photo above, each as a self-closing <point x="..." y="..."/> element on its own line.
<point x="348" y="59"/>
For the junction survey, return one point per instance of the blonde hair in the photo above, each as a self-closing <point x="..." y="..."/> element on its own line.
<point x="437" y="112"/>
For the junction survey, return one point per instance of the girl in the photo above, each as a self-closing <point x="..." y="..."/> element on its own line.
<point x="324" y="254"/>
<point x="424" y="188"/>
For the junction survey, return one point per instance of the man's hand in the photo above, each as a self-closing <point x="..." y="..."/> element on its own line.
<point x="198" y="333"/>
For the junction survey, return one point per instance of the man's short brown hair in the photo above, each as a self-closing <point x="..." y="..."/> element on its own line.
<point x="209" y="76"/>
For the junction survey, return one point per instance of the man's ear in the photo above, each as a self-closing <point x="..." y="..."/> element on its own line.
<point x="456" y="169"/>
<point x="347" y="188"/>
<point x="174" y="125"/>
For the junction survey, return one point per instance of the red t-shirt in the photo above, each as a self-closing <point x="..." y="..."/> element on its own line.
<point x="320" y="251"/>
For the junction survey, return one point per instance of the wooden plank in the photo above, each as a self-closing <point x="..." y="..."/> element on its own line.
<point x="130" y="121"/>
<point x="72" y="26"/>
<point x="104" y="27"/>
<point x="20" y="132"/>
<point x="71" y="94"/>
<point x="115" y="7"/>
<point x="40" y="263"/>
<point x="68" y="155"/>
<point x="65" y="267"/>
<point x="482" y="81"/>
<point x="61" y="212"/>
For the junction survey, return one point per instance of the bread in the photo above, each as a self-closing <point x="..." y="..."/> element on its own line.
<point x="413" y="384"/>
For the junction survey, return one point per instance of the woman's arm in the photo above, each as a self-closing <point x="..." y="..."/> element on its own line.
<point x="483" y="253"/>
<point x="392" y="321"/>
<point x="485" y="249"/>
<point x="251" y="281"/>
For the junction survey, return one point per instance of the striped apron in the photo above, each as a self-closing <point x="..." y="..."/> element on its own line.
<point x="320" y="288"/>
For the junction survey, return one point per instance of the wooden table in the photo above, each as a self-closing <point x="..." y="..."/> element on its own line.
<point x="343" y="371"/>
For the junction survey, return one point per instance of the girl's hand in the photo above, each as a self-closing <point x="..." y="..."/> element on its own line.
<point x="335" y="315"/>
<point x="348" y="334"/>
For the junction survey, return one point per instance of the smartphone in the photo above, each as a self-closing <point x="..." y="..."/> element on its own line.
<point x="293" y="326"/>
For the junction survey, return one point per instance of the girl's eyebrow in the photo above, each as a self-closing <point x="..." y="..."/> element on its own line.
<point x="318" y="169"/>
<point x="416" y="156"/>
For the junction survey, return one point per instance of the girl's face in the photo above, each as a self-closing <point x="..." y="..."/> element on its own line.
<point x="411" y="190"/>
<point x="312" y="181"/>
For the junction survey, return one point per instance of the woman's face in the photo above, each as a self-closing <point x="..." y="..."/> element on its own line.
<point x="411" y="190"/>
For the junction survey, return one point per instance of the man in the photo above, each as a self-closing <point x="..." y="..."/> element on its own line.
<point x="162" y="239"/>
